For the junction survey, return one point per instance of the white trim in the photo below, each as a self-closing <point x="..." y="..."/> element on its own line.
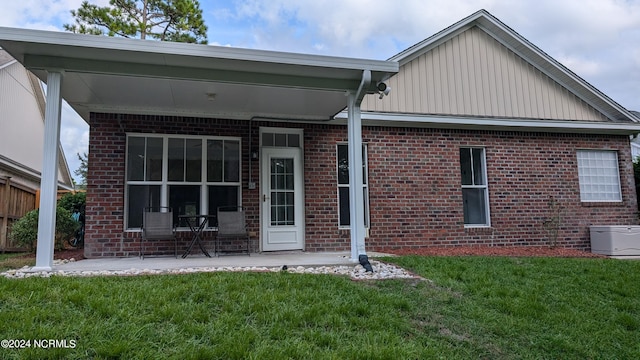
<point x="365" y="185"/>
<point x="477" y="123"/>
<point x="164" y="183"/>
<point x="635" y="151"/>
<point x="298" y="230"/>
<point x="88" y="58"/>
<point x="264" y="215"/>
<point x="277" y="130"/>
<point x="357" y="230"/>
<point x="485" y="187"/>
<point x="47" y="39"/>
<point x="528" y="51"/>
<point x="49" y="183"/>
<point x="27" y="172"/>
<point x="617" y="173"/>
<point x="5" y="65"/>
<point x="78" y="53"/>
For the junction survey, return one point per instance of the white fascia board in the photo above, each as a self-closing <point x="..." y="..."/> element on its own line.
<point x="26" y="173"/>
<point x="5" y="65"/>
<point x="18" y="168"/>
<point x="527" y="50"/>
<point x="84" y="42"/>
<point x="553" y="69"/>
<point x="84" y="111"/>
<point x="438" y="38"/>
<point x="525" y="125"/>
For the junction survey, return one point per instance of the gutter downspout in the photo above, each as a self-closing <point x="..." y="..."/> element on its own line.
<point x="356" y="196"/>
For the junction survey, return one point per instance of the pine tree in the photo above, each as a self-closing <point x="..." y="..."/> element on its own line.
<point x="164" y="20"/>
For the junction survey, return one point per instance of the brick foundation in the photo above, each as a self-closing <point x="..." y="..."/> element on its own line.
<point x="414" y="185"/>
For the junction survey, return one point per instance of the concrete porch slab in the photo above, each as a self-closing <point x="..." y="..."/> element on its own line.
<point x="255" y="260"/>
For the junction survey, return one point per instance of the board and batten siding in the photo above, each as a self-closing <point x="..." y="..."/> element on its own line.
<point x="472" y="74"/>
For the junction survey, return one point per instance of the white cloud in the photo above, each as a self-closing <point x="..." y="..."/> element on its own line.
<point x="38" y="14"/>
<point x="597" y="39"/>
<point x="74" y="137"/>
<point x="218" y="44"/>
<point x="581" y="66"/>
<point x="591" y="37"/>
<point x="50" y="15"/>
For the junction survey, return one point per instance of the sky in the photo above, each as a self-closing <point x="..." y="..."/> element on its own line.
<point x="599" y="40"/>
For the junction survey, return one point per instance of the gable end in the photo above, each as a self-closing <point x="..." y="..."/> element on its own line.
<point x="474" y="75"/>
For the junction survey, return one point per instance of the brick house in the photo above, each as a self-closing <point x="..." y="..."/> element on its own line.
<point x="484" y="140"/>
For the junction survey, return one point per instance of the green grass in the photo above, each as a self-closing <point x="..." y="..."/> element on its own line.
<point x="15" y="260"/>
<point x="538" y="307"/>
<point x="475" y="308"/>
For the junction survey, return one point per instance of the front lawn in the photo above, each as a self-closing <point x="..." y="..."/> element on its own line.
<point x="474" y="308"/>
<point x="16" y="260"/>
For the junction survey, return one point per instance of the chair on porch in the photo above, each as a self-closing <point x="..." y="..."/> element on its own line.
<point x="232" y="226"/>
<point x="157" y="224"/>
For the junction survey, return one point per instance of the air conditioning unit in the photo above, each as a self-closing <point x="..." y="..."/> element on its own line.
<point x="615" y="240"/>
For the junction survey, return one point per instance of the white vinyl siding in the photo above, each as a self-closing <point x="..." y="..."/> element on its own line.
<point x="599" y="176"/>
<point x="473" y="74"/>
<point x="22" y="123"/>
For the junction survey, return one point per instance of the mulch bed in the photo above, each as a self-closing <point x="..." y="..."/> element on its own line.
<point x="512" y="251"/>
<point x="67" y="254"/>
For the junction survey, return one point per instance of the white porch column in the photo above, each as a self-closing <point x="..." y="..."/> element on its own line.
<point x="49" y="181"/>
<point x="356" y="196"/>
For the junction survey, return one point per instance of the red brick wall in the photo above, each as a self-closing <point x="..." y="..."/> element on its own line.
<point x="105" y="233"/>
<point x="414" y="184"/>
<point x="416" y="198"/>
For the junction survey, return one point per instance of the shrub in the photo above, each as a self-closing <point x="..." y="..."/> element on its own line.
<point x="25" y="231"/>
<point x="66" y="226"/>
<point x="73" y="201"/>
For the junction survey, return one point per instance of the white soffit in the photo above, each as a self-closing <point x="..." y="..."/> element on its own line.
<point x="106" y="74"/>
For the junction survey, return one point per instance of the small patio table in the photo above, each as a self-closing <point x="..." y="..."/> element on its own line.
<point x="197" y="224"/>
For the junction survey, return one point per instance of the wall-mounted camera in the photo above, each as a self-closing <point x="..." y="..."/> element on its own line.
<point x="383" y="89"/>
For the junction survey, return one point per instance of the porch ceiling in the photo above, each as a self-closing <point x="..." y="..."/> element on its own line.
<point x="116" y="75"/>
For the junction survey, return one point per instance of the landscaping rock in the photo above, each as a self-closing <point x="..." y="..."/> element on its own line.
<point x="380" y="271"/>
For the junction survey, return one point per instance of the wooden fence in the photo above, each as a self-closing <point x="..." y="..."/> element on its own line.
<point x="60" y="194"/>
<point x="15" y="201"/>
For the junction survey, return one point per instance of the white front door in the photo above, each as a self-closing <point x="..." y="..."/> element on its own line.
<point x="282" y="199"/>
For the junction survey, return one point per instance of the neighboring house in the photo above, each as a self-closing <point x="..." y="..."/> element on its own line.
<point x="22" y="106"/>
<point x="635" y="141"/>
<point x="481" y="140"/>
<point x="635" y="149"/>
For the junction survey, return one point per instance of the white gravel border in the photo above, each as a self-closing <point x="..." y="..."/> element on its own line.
<point x="357" y="272"/>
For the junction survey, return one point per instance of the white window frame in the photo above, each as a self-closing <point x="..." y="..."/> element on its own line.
<point x="165" y="183"/>
<point x="594" y="171"/>
<point x="275" y="131"/>
<point x="365" y="185"/>
<point x="485" y="187"/>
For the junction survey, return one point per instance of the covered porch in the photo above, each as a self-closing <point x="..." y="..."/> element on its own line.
<point x="120" y="78"/>
<point x="291" y="259"/>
